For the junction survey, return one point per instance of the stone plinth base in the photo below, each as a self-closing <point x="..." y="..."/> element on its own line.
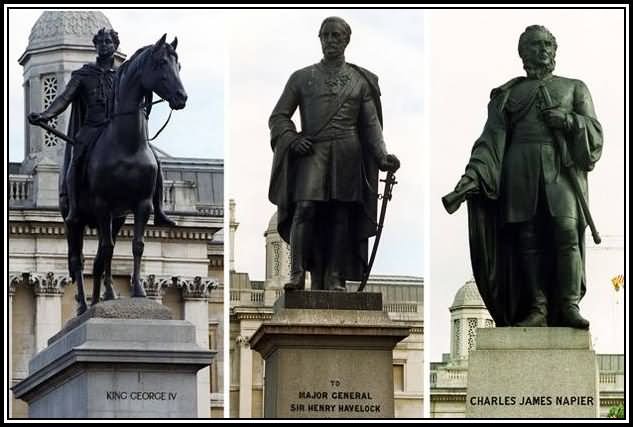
<point x="117" y="368"/>
<point x="325" y="362"/>
<point x="532" y="373"/>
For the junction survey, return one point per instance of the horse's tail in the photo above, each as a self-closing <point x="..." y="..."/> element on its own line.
<point x="63" y="191"/>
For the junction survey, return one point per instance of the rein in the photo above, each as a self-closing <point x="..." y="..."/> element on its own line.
<point x="143" y="106"/>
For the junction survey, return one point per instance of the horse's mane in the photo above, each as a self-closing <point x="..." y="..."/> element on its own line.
<point x="133" y="60"/>
<point x="131" y="65"/>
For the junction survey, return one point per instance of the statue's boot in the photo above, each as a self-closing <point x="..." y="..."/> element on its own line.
<point x="160" y="218"/>
<point x="336" y="282"/>
<point x="297" y="281"/>
<point x="534" y="318"/>
<point x="338" y="248"/>
<point x="531" y="259"/>
<point x="72" y="217"/>
<point x="570" y="272"/>
<point x="299" y="246"/>
<point x="569" y="296"/>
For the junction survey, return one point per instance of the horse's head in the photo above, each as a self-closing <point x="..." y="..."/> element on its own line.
<point x="162" y="74"/>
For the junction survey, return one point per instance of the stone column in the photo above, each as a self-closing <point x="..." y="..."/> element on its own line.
<point x="48" y="306"/>
<point x="246" y="376"/>
<point x="233" y="224"/>
<point x="14" y="280"/>
<point x="195" y="293"/>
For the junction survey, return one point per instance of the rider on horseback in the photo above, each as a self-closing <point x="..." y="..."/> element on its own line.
<point x="90" y="90"/>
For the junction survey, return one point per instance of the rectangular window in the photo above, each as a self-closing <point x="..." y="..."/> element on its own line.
<point x="398" y="377"/>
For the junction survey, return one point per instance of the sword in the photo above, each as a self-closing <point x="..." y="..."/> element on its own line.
<point x="389" y="181"/>
<point x="54" y="131"/>
<point x="567" y="166"/>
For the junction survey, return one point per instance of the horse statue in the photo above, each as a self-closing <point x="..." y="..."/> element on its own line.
<point x="120" y="170"/>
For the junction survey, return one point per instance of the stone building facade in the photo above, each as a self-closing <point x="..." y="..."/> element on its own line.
<point x="251" y="303"/>
<point x="182" y="266"/>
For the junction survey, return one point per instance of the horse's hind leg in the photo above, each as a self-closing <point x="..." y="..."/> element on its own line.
<point x="75" y="237"/>
<point x="141" y="215"/>
<point x="104" y="252"/>
<point x="109" y="293"/>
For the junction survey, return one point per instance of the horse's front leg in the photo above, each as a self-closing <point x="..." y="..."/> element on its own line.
<point x="104" y="252"/>
<point x="141" y="215"/>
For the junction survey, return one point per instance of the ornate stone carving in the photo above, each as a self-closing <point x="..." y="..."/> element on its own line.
<point x="49" y="92"/>
<point x="241" y="340"/>
<point x="15" y="280"/>
<point x="155" y="286"/>
<point x="54" y="27"/>
<point x="46" y="284"/>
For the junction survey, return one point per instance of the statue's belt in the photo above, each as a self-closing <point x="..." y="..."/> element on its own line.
<point x="335" y="135"/>
<point x="539" y="141"/>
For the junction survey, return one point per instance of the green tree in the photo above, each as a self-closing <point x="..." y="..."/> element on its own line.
<point x="616" y="411"/>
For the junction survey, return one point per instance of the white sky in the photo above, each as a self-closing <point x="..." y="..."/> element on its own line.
<point x="266" y="47"/>
<point x="473" y="51"/>
<point x="196" y="131"/>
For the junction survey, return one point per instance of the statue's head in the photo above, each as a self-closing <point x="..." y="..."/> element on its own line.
<point x="334" y="35"/>
<point x="537" y="49"/>
<point x="106" y="41"/>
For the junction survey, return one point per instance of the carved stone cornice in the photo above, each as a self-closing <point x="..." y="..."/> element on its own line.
<point x="30" y="227"/>
<point x="452" y="397"/>
<point x="261" y="314"/>
<point x="42" y="283"/>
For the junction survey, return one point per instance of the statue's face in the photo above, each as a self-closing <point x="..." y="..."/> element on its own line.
<point x="333" y="40"/>
<point x="539" y="50"/>
<point x="104" y="45"/>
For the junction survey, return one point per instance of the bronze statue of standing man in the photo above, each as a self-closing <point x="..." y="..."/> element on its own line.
<point x="527" y="186"/>
<point x="324" y="179"/>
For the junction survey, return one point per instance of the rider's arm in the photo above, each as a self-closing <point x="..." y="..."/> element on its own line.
<point x="63" y="100"/>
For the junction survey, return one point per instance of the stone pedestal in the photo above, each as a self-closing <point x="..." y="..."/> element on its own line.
<point x="532" y="373"/>
<point x="104" y="366"/>
<point x="328" y="355"/>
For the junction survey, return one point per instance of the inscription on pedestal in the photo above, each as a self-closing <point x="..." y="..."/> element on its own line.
<point x="140" y="395"/>
<point x="513" y="400"/>
<point x="337" y="401"/>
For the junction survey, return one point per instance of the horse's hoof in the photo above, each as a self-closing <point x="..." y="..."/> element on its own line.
<point x="109" y="295"/>
<point x="160" y="219"/>
<point x="139" y="292"/>
<point x="81" y="309"/>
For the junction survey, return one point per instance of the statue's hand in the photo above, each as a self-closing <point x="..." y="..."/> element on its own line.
<point x="389" y="163"/>
<point x="555" y="118"/>
<point x="35" y="118"/>
<point x="302" y="146"/>
<point x="467" y="185"/>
